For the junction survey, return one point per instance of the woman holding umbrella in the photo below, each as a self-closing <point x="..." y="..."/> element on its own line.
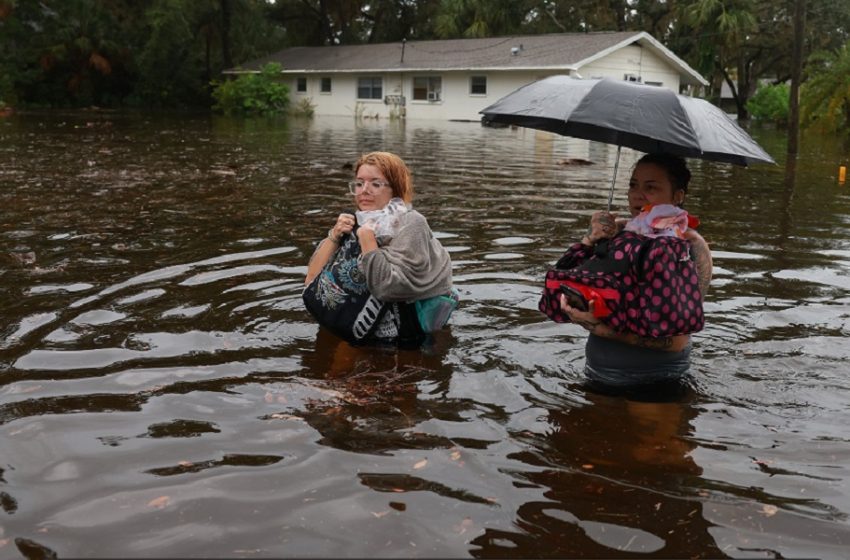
<point x="645" y="335"/>
<point x="645" y="338"/>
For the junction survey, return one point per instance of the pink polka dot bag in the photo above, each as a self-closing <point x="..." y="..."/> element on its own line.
<point x="644" y="285"/>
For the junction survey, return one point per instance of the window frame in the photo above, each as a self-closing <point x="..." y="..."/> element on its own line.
<point x="472" y="86"/>
<point x="322" y="81"/>
<point x="433" y="86"/>
<point x="298" y="83"/>
<point x="372" y="88"/>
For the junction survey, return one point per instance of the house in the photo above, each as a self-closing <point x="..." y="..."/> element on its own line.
<point x="454" y="79"/>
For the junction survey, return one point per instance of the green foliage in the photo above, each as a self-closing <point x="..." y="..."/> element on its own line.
<point x="169" y="58"/>
<point x="151" y="53"/>
<point x="770" y="103"/>
<point x="825" y="97"/>
<point x="166" y="53"/>
<point x="252" y="94"/>
<point x="479" y="18"/>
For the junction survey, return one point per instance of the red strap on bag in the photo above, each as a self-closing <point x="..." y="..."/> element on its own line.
<point x="597" y="296"/>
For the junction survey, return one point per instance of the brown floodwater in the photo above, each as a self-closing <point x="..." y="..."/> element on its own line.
<point x="164" y="393"/>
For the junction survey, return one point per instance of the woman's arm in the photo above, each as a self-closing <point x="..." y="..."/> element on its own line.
<point x="702" y="258"/>
<point x="328" y="246"/>
<point x="323" y="254"/>
<point x="596" y="326"/>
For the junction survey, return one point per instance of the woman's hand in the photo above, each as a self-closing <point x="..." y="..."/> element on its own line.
<point x="344" y="224"/>
<point x="596" y="326"/>
<point x="603" y="225"/>
<point x="367" y="239"/>
<point x="586" y="319"/>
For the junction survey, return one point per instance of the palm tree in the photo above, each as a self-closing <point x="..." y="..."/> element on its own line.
<point x="479" y="18"/>
<point x="724" y="28"/>
<point x="825" y="97"/>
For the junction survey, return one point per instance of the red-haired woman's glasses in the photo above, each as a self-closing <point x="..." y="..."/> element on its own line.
<point x="358" y="186"/>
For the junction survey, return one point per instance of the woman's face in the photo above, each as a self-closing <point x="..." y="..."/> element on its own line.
<point x="369" y="197"/>
<point x="651" y="185"/>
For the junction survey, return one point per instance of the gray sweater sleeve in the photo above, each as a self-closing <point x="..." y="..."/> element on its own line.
<point x="414" y="265"/>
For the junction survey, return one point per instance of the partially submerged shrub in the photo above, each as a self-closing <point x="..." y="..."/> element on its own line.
<point x="252" y="94"/>
<point x="303" y="108"/>
<point x="770" y="103"/>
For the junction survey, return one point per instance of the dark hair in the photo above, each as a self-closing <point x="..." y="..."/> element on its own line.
<point x="675" y="167"/>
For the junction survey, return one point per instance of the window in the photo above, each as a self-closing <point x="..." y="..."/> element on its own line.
<point x="656" y="84"/>
<point x="633" y="78"/>
<point x="478" y="85"/>
<point x="326" y="85"/>
<point x="370" y="88"/>
<point x="427" y="88"/>
<point x="301" y="85"/>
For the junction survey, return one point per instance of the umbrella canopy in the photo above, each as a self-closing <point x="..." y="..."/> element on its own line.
<point x="645" y="118"/>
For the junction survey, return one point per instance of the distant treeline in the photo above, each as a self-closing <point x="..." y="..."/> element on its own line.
<point x="165" y="53"/>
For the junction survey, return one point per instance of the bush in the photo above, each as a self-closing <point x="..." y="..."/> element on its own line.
<point x="770" y="103"/>
<point x="303" y="108"/>
<point x="252" y="94"/>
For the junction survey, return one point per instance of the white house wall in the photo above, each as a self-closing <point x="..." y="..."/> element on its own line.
<point x="636" y="61"/>
<point x="457" y="103"/>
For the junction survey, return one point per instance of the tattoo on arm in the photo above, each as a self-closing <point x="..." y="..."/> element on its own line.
<point x="591" y="326"/>
<point x="702" y="259"/>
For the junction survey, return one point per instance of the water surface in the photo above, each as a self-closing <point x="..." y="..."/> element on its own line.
<point x="163" y="392"/>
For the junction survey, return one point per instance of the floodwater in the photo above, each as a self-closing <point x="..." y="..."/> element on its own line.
<point x="164" y="394"/>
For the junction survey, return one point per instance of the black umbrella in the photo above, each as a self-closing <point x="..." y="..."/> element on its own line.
<point x="645" y="118"/>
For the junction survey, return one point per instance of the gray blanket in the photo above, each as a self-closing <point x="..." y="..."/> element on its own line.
<point x="414" y="265"/>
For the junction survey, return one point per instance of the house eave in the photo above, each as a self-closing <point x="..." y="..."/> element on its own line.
<point x="570" y="68"/>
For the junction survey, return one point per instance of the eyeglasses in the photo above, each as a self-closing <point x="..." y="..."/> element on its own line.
<point x="358" y="186"/>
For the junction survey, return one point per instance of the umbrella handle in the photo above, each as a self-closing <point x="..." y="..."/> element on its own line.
<point x="614" y="180"/>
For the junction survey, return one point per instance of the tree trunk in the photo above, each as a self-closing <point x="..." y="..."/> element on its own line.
<point x="743" y="92"/>
<point x="620" y="10"/>
<point x="226" y="15"/>
<point x="796" y="74"/>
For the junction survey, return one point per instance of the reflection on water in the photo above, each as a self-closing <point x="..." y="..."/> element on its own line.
<point x="163" y="392"/>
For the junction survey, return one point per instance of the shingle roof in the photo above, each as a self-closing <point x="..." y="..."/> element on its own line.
<point x="555" y="52"/>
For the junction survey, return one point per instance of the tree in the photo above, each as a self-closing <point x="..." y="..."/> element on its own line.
<point x="18" y="57"/>
<point x="321" y="22"/>
<point x="64" y="53"/>
<point x="741" y="42"/>
<point x="479" y="18"/>
<point x="724" y="28"/>
<point x="656" y="17"/>
<point x="190" y="42"/>
<point x="568" y="16"/>
<point x="825" y="97"/>
<point x="386" y="21"/>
